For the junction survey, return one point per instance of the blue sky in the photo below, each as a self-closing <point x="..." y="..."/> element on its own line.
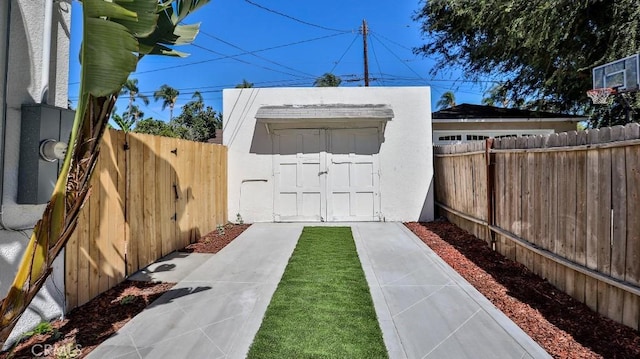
<point x="287" y="52"/>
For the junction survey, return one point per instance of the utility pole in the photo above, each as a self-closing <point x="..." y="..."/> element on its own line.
<point x="365" y="32"/>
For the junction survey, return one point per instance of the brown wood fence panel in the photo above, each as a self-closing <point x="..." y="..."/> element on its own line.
<point x="149" y="196"/>
<point x="460" y="183"/>
<point x="565" y="205"/>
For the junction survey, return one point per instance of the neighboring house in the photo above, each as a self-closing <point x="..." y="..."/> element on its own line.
<point x="217" y="139"/>
<point x="329" y="154"/>
<point x="34" y="62"/>
<point x="467" y="122"/>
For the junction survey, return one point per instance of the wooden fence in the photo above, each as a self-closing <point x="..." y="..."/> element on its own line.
<point x="150" y="196"/>
<point x="565" y="205"/>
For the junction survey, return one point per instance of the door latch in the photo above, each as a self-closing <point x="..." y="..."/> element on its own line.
<point x="323" y="173"/>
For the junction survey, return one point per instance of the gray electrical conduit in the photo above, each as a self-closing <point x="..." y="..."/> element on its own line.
<point x="3" y="124"/>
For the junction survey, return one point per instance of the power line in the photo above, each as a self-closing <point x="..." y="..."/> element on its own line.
<point x="345" y="52"/>
<point x="375" y="57"/>
<point x="245" y="62"/>
<point x="231" y="56"/>
<point x="391" y="41"/>
<point x="398" y="57"/>
<point x="293" y="18"/>
<point x="252" y="54"/>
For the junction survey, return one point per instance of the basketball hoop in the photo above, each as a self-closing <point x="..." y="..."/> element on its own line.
<point x="600" y="96"/>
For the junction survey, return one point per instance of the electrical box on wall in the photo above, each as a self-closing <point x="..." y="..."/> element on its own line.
<point x="44" y="135"/>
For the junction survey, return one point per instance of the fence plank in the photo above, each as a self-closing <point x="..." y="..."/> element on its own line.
<point x="535" y="194"/>
<point x="105" y="189"/>
<point x="500" y="196"/>
<point x="571" y="212"/>
<point x="552" y="203"/>
<point x="632" y="272"/>
<point x="181" y="173"/>
<point x="83" y="267"/>
<point x="136" y="253"/>
<point x="561" y="211"/>
<point x="631" y="310"/>
<point x="513" y="188"/>
<point x="94" y="227"/>
<point x="581" y="216"/>
<point x="71" y="268"/>
<point x="528" y="210"/>
<point x="619" y="206"/>
<point x="593" y="203"/>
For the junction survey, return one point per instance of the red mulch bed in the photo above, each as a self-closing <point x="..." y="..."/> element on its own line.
<point x="216" y="240"/>
<point x="563" y="326"/>
<point x="92" y="323"/>
<point x="87" y="326"/>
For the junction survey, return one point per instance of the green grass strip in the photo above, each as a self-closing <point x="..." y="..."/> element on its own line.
<point x="322" y="307"/>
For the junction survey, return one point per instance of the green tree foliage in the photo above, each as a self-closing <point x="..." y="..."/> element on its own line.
<point x="244" y="84"/>
<point x="155" y="127"/>
<point x="169" y="96"/>
<point x="197" y="122"/>
<point x="327" y="80"/>
<point x="448" y="99"/>
<point x="124" y="121"/>
<point x="544" y="49"/>
<point x="127" y="120"/>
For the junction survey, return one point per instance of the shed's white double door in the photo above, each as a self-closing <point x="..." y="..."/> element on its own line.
<point x="326" y="175"/>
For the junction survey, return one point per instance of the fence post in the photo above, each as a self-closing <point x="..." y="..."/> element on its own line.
<point x="490" y="163"/>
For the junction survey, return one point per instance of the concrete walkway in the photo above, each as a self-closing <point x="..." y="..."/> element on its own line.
<point x="425" y="309"/>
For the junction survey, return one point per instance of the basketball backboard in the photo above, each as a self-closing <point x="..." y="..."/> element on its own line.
<point x="622" y="75"/>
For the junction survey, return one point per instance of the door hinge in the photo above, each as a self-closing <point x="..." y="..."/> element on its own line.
<point x="174" y="217"/>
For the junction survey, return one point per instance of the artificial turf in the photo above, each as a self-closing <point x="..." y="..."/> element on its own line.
<point x="322" y="307"/>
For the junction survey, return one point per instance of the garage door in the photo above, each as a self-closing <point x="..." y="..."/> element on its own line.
<point x="327" y="175"/>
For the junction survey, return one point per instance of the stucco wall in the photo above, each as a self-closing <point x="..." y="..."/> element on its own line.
<point x="25" y="87"/>
<point x="405" y="155"/>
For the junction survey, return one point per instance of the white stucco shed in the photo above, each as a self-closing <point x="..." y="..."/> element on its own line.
<point x="329" y="154"/>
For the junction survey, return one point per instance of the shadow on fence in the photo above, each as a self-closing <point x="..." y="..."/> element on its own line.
<point x="150" y="196"/>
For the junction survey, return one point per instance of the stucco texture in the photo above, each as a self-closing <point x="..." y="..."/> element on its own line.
<point x="405" y="153"/>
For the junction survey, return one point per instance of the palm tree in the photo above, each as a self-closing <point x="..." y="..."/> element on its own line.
<point x="244" y="84"/>
<point x="198" y="101"/>
<point x="496" y="95"/>
<point x="169" y="96"/>
<point x="120" y="34"/>
<point x="327" y="80"/>
<point x="131" y="88"/>
<point x="448" y="99"/>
